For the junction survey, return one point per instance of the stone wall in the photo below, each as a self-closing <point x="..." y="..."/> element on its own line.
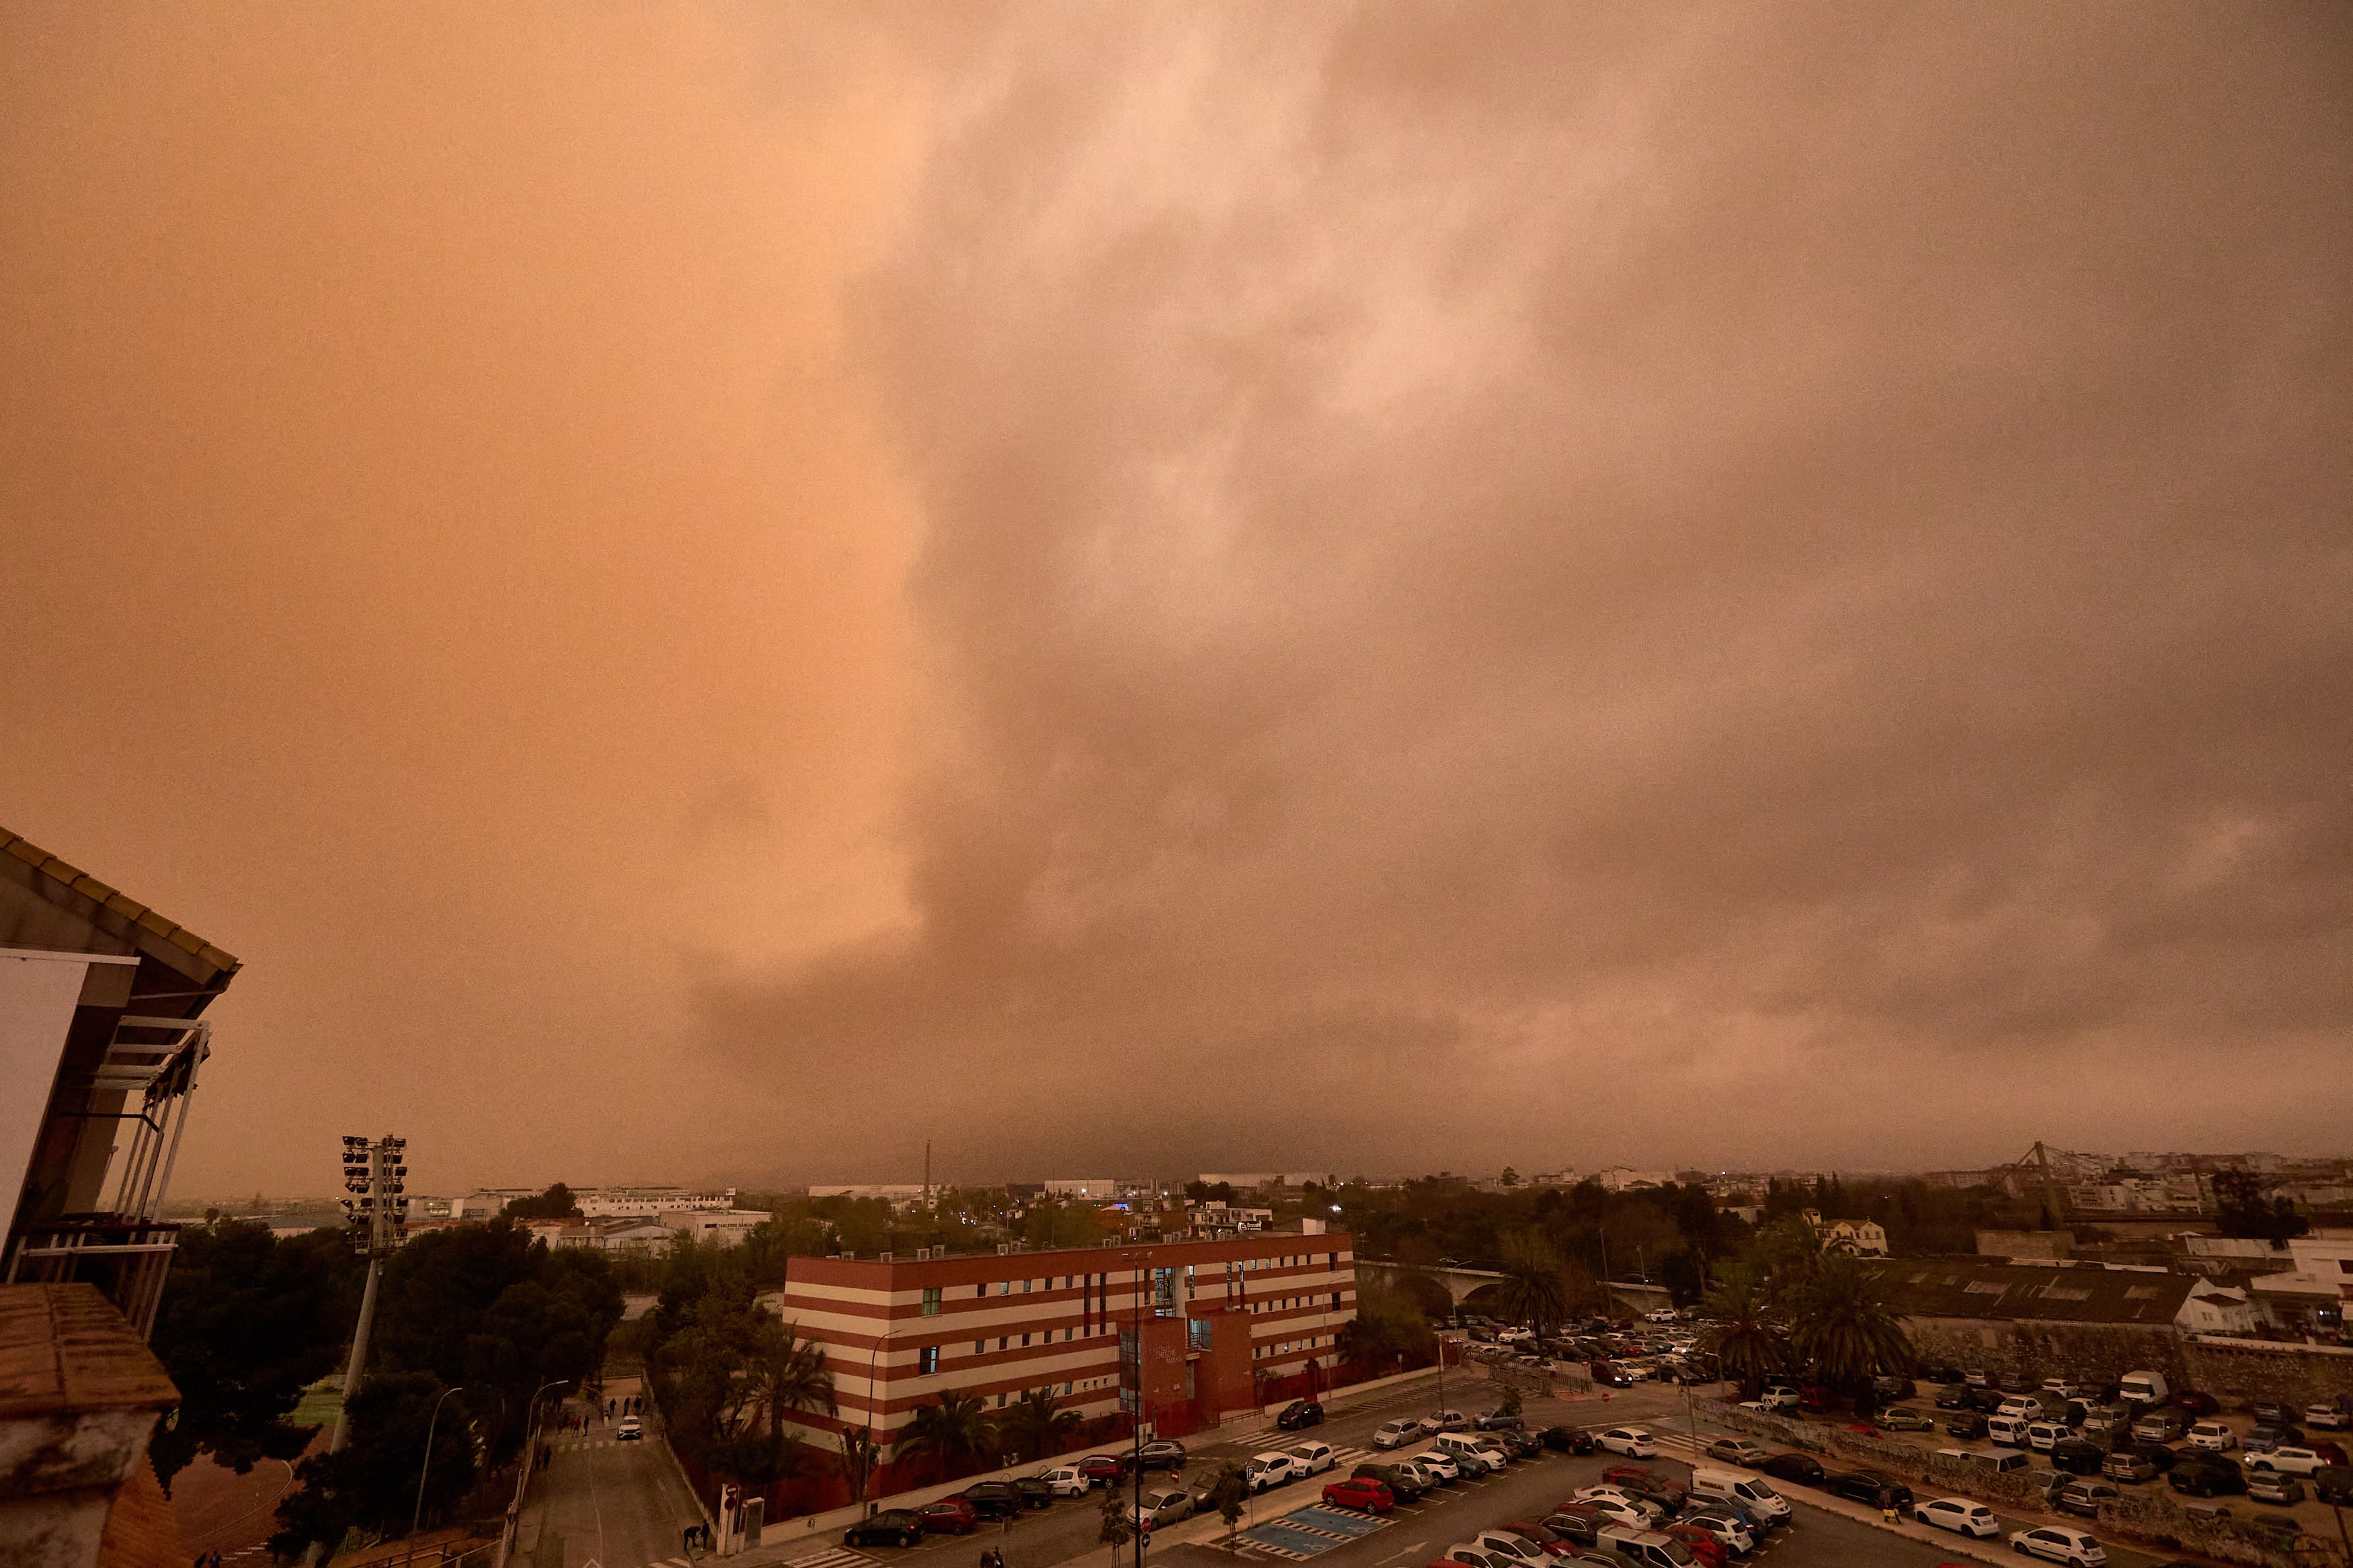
<point x="2236" y="1372"/>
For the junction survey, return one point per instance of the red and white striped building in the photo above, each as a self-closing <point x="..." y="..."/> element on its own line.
<point x="1219" y="1326"/>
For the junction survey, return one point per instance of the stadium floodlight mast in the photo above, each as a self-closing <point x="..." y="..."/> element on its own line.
<point x="376" y="1175"/>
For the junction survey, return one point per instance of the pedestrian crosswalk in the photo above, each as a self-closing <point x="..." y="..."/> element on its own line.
<point x="832" y="1557"/>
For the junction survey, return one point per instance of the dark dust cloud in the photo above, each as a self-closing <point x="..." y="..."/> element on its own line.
<point x="1576" y="586"/>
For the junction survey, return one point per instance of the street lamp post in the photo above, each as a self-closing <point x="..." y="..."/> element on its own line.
<point x="419" y="1518"/>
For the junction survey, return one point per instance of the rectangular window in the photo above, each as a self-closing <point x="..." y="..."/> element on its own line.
<point x="1001" y="1342"/>
<point x="980" y="1347"/>
<point x="1335" y="1261"/>
<point x="932" y="1303"/>
<point x="1066" y="1391"/>
<point x="1335" y="1300"/>
<point x="927" y="1360"/>
<point x="1000" y="1402"/>
<point x="1025" y="1287"/>
<point x="1025" y="1341"/>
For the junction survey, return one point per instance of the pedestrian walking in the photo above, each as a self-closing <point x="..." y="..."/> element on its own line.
<point x="609" y="1408"/>
<point x="686" y="1538"/>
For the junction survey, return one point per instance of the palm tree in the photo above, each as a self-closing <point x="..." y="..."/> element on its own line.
<point x="790" y="1373"/>
<point x="1534" y="1288"/>
<point x="1741" y="1339"/>
<point x="1037" y="1425"/>
<point x="1841" y="1321"/>
<point x="953" y="1428"/>
<point x="859" y="1454"/>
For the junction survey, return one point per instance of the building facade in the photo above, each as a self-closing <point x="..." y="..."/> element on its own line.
<point x="1205" y="1326"/>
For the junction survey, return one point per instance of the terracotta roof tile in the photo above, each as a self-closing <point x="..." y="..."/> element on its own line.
<point x="141" y="1532"/>
<point x="89" y="887"/>
<point x="64" y="1348"/>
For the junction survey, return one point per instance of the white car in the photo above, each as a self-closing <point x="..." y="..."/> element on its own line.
<point x="1519" y="1548"/>
<point x="2327" y="1417"/>
<point x="1439" y="1421"/>
<point x="1442" y="1466"/>
<point x="1616" y="1505"/>
<point x="2286" y="1461"/>
<point x="1663" y="1315"/>
<point x="1311" y="1458"/>
<point x="2021" y="1407"/>
<point x="1517" y="1337"/>
<point x="1726" y="1531"/>
<point x="1634" y="1442"/>
<point x="629" y="1431"/>
<point x="1267" y="1471"/>
<point x="1397" y="1434"/>
<point x="2214" y="1437"/>
<point x="1064" y="1480"/>
<point x="2056" y="1543"/>
<point x="1959" y="1515"/>
<point x="1781" y="1397"/>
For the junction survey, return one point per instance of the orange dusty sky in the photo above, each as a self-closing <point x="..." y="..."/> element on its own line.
<point x="714" y="593"/>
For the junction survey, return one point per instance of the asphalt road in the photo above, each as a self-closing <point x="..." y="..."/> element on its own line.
<point x="608" y="1503"/>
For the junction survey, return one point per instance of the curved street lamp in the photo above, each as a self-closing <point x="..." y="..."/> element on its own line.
<point x="419" y="1518"/>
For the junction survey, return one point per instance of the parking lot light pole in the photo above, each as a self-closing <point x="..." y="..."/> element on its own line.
<point x="418" y="1520"/>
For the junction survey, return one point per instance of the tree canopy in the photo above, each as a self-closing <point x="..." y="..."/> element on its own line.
<point x="556" y="1203"/>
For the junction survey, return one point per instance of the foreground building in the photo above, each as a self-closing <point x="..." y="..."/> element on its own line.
<point x="1180" y="1333"/>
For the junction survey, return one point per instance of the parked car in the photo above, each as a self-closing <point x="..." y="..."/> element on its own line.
<point x="1033" y="1491"/>
<point x="1162" y="1456"/>
<point x="1065" y="1480"/>
<point x="2266" y="1435"/>
<point x="1439" y="1421"/>
<point x="2272" y="1486"/>
<point x="2057" y="1544"/>
<point x="1513" y="1545"/>
<point x="1609" y="1375"/>
<point x="2333" y="1484"/>
<point x="1108" y="1469"/>
<point x="1728" y="1529"/>
<point x="2207" y="1477"/>
<point x="2085" y="1497"/>
<point x="1361" y="1493"/>
<point x="2127" y="1466"/>
<point x="1397" y="1434"/>
<point x="1575" y="1522"/>
<point x="2288" y="1459"/>
<point x="2328" y="1417"/>
<point x="1312" y="1459"/>
<point x="1960" y="1515"/>
<point x="2215" y="1436"/>
<point x="1166" y="1505"/>
<point x="1263" y="1472"/>
<point x="1633" y="1441"/>
<point x="1499" y="1421"/>
<point x="1698" y="1546"/>
<point x="1568" y="1439"/>
<point x="1617" y="1507"/>
<point x="1298" y="1414"/>
<point x="1965" y="1424"/>
<point x="1870" y="1487"/>
<point x="1551" y="1542"/>
<point x="1904" y="1419"/>
<point x="2157" y="1454"/>
<point x="1802" y="1468"/>
<point x="2193" y="1404"/>
<point x="1441" y="1466"/>
<point x="1736" y="1452"/>
<point x="949" y="1516"/>
<point x="891" y="1527"/>
<point x="1404" y="1482"/>
<point x="1953" y="1396"/>
<point x="2078" y="1459"/>
<point x="992" y="1500"/>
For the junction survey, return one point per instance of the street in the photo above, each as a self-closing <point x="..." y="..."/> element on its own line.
<point x="608" y="1503"/>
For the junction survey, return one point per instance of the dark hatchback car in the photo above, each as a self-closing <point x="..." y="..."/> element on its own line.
<point x="1955" y="1396"/>
<point x="992" y="1500"/>
<point x="2078" y="1459"/>
<point x="1402" y="1485"/>
<point x="1104" y="1469"/>
<point x="891" y="1527"/>
<point x="949" y="1516"/>
<point x="1802" y="1468"/>
<point x="1033" y="1493"/>
<point x="1965" y="1424"/>
<point x="2207" y="1477"/>
<point x="1300" y="1413"/>
<point x="1498" y="1421"/>
<point x="2157" y="1454"/>
<point x="1870" y="1487"/>
<point x="1568" y="1439"/>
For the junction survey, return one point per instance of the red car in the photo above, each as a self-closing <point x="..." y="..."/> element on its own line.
<point x="1360" y="1492"/>
<point x="1705" y="1548"/>
<point x="1103" y="1466"/>
<point x="949" y="1516"/>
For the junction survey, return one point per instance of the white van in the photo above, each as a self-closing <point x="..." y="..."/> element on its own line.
<point x="2042" y="1435"/>
<point x="2010" y="1431"/>
<point x="1749" y="1491"/>
<point x="2149" y="1388"/>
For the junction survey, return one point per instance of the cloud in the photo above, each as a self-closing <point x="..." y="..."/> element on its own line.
<point x="1522" y="581"/>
